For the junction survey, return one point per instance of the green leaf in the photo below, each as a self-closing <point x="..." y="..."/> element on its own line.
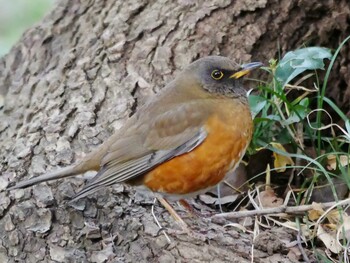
<point x="256" y="103"/>
<point x="283" y="137"/>
<point x="296" y="62"/>
<point x="298" y="112"/>
<point x="267" y="118"/>
<point x="347" y="125"/>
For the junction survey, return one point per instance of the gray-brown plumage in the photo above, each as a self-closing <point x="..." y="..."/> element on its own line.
<point x="204" y="104"/>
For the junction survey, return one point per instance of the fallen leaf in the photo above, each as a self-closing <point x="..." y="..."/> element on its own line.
<point x="344" y="160"/>
<point x="268" y="198"/>
<point x="281" y="161"/>
<point x="207" y="199"/>
<point x="316" y="212"/>
<point x="329" y="240"/>
<point x="294" y="254"/>
<point x="227" y="199"/>
<point x="345" y="228"/>
<point x="335" y="216"/>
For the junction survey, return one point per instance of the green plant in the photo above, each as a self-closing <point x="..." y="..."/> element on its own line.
<point x="287" y="113"/>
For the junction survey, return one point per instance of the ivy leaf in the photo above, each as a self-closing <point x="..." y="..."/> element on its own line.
<point x="300" y="60"/>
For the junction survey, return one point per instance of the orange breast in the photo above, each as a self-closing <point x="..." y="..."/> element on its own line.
<point x="206" y="165"/>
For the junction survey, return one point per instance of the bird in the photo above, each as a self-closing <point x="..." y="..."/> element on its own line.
<point x="181" y="142"/>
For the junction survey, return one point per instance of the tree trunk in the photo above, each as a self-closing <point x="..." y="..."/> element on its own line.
<point x="78" y="75"/>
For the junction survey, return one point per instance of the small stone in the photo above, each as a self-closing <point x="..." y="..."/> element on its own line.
<point x="62" y="215"/>
<point x="103" y="255"/>
<point x="25" y="152"/>
<point x="73" y="129"/>
<point x="151" y="228"/>
<point x="4" y="203"/>
<point x="3" y="257"/>
<point x="21" y="149"/>
<point x="13" y="251"/>
<point x="65" y="190"/>
<point x="92" y="231"/>
<point x="60" y="254"/>
<point x="9" y="226"/>
<point x="91" y="211"/>
<point x="3" y="183"/>
<point x="79" y="204"/>
<point x="23" y="211"/>
<point x="143" y="197"/>
<point x="2" y="101"/>
<point x="162" y="241"/>
<point x="77" y="219"/>
<point x="167" y="258"/>
<point x="43" y="195"/>
<point x="38" y="164"/>
<point x="14" y="238"/>
<point x="118" y="188"/>
<point x="118" y="211"/>
<point x="40" y="221"/>
<point x="19" y="194"/>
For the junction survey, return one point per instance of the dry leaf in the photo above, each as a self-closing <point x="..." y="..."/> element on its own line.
<point x="332" y="161"/>
<point x="268" y="198"/>
<point x="329" y="239"/>
<point x="334" y="216"/>
<point x="345" y="228"/>
<point x="314" y="215"/>
<point x="294" y="254"/>
<point x="207" y="199"/>
<point x="281" y="161"/>
<point x="316" y="212"/>
<point x="303" y="228"/>
<point x="227" y="199"/>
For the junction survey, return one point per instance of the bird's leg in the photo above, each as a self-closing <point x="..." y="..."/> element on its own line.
<point x="172" y="212"/>
<point x="192" y="211"/>
<point x="219" y="197"/>
<point x="189" y="208"/>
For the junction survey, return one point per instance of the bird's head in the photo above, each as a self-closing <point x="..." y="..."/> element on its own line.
<point x="220" y="75"/>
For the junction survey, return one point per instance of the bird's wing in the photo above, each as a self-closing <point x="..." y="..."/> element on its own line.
<point x="150" y="143"/>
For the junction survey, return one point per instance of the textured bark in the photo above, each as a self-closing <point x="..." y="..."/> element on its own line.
<point x="76" y="76"/>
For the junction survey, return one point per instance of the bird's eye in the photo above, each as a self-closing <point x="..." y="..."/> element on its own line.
<point x="217" y="74"/>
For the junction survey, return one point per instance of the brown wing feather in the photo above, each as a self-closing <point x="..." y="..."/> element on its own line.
<point x="168" y="130"/>
<point x="170" y="134"/>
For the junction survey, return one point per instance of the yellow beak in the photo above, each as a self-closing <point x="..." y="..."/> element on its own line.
<point x="246" y="68"/>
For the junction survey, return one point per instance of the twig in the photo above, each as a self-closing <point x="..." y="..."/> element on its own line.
<point x="279" y="210"/>
<point x="158" y="223"/>
<point x="299" y="241"/>
<point x="301" y="249"/>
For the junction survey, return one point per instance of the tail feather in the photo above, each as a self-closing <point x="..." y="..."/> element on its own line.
<point x="60" y="173"/>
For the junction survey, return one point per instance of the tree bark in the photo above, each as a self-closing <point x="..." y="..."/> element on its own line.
<point x="82" y="71"/>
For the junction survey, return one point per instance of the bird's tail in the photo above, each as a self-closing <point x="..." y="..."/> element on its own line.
<point x="60" y="173"/>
